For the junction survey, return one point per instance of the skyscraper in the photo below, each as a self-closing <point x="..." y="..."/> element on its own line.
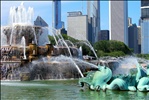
<point x="118" y="21"/>
<point x="104" y="35"/>
<point x="145" y="27"/>
<point x="93" y="12"/>
<point x="56" y="14"/>
<point x="77" y="25"/>
<point x="133" y="37"/>
<point x="139" y="38"/>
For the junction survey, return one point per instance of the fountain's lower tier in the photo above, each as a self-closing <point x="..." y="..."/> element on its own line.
<point x="17" y="64"/>
<point x="42" y="70"/>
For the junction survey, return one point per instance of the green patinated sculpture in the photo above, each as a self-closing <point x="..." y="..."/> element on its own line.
<point x="97" y="79"/>
<point x="103" y="79"/>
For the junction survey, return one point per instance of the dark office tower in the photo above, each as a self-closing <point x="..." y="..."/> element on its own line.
<point x="118" y="21"/>
<point x="139" y="39"/>
<point x="133" y="37"/>
<point x="144" y="26"/>
<point x="56" y="14"/>
<point x="104" y="35"/>
<point x="93" y="12"/>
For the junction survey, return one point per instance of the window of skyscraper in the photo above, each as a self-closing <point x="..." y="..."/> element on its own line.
<point x="144" y="9"/>
<point x="145" y="12"/>
<point x="144" y="3"/>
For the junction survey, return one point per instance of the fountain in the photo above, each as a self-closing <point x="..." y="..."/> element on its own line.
<point x="27" y="54"/>
<point x="24" y="45"/>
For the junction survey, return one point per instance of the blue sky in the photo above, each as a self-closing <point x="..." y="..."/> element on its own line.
<point x="44" y="9"/>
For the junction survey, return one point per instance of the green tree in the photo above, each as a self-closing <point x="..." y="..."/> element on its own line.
<point x="66" y="37"/>
<point x="145" y="56"/>
<point x="51" y="39"/>
<point x="111" y="48"/>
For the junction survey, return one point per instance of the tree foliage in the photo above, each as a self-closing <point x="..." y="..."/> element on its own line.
<point x="146" y="56"/>
<point x="51" y="39"/>
<point x="111" y="48"/>
<point x="69" y="38"/>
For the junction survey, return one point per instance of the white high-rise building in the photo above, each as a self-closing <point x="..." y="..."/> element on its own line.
<point x="145" y="27"/>
<point x="118" y="21"/>
<point x="145" y="36"/>
<point x="77" y="25"/>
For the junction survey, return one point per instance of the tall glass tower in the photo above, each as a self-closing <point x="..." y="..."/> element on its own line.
<point x="145" y="27"/>
<point x="93" y="12"/>
<point x="56" y="14"/>
<point x="118" y="21"/>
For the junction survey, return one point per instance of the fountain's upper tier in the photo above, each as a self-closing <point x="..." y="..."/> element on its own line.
<point x="13" y="35"/>
<point x="21" y="15"/>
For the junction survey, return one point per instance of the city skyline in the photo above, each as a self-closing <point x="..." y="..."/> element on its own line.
<point x="44" y="9"/>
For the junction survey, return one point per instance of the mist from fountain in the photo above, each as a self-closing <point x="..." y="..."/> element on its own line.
<point x="63" y="66"/>
<point x="90" y="64"/>
<point x="125" y="66"/>
<point x="58" y="67"/>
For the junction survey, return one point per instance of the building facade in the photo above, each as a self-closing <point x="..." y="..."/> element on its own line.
<point x="56" y="14"/>
<point x="93" y="12"/>
<point x="118" y="21"/>
<point x="145" y="36"/>
<point x="77" y="25"/>
<point x="144" y="27"/>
